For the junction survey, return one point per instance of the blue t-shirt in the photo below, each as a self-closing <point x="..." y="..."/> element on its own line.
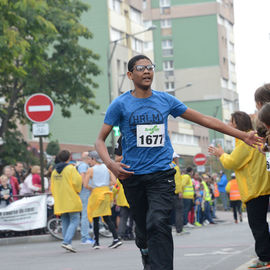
<point x="143" y="123"/>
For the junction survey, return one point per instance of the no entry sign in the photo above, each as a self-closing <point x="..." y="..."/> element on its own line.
<point x="39" y="108"/>
<point x="200" y="159"/>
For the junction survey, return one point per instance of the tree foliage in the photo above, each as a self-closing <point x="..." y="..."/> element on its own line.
<point x="40" y="53"/>
<point x="53" y="148"/>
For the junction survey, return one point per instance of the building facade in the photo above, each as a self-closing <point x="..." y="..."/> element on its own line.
<point x="194" y="55"/>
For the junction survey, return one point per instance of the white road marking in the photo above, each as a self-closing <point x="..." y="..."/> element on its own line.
<point x="40" y="108"/>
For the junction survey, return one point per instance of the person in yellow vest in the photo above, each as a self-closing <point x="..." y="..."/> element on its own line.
<point x="66" y="184"/>
<point x="214" y="177"/>
<point x="249" y="165"/>
<point x="178" y="199"/>
<point x="99" y="179"/>
<point x="235" y="198"/>
<point x="206" y="201"/>
<point x="188" y="195"/>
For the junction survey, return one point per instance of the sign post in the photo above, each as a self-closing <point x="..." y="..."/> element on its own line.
<point x="39" y="108"/>
<point x="199" y="160"/>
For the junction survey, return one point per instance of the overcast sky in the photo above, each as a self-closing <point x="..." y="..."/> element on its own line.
<point x="252" y="48"/>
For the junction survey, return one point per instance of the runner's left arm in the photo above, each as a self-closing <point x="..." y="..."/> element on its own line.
<point x="249" y="138"/>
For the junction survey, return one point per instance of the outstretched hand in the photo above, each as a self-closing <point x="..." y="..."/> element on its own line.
<point x="117" y="168"/>
<point x="252" y="139"/>
<point x="215" y="151"/>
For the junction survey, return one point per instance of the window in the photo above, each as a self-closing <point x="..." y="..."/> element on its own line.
<point x="167" y="48"/>
<point x="167" y="44"/>
<point x="115" y="34"/>
<point x="148" y="46"/>
<point x="169" y="86"/>
<point x="115" y="5"/>
<point x="166" y="24"/>
<point x="168" y="65"/>
<point x="144" y="4"/>
<point x="164" y="3"/>
<point x="185" y="139"/>
<point x="135" y="15"/>
<point x="147" y="24"/>
<point x="168" y="68"/>
<point x="136" y="45"/>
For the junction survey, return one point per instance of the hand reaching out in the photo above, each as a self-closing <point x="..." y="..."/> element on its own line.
<point x="215" y="151"/>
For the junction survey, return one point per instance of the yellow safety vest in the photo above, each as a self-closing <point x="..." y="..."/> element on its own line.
<point x="188" y="190"/>
<point x="207" y="195"/>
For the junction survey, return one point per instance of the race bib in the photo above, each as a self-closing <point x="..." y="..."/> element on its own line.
<point x="267" y="154"/>
<point x="150" y="135"/>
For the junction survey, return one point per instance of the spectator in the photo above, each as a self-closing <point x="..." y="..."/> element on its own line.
<point x="19" y="171"/>
<point x="84" y="195"/>
<point x="66" y="183"/>
<point x="178" y="197"/>
<point x="235" y="198"/>
<point x="12" y="180"/>
<point x="221" y="188"/>
<point x="32" y="183"/>
<point x="99" y="179"/>
<point x="188" y="194"/>
<point x="5" y="192"/>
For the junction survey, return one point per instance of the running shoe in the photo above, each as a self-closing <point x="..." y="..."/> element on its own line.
<point x="116" y="243"/>
<point x="197" y="224"/>
<point x="96" y="245"/>
<point x="258" y="264"/>
<point x="68" y="247"/>
<point x="88" y="241"/>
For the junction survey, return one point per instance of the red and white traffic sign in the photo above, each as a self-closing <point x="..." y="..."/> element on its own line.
<point x="200" y="159"/>
<point x="39" y="108"/>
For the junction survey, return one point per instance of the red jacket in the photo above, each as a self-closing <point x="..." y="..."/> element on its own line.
<point x="15" y="187"/>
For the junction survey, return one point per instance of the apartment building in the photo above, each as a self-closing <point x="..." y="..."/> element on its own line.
<point x="194" y="55"/>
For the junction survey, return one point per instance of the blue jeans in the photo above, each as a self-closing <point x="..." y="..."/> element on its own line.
<point x="70" y="222"/>
<point x="84" y="195"/>
<point x="224" y="199"/>
<point x="207" y="212"/>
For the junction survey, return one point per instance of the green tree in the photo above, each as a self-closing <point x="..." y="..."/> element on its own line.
<point x="16" y="149"/>
<point x="53" y="148"/>
<point x="40" y="53"/>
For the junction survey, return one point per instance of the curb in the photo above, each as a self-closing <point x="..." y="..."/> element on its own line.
<point x="32" y="239"/>
<point x="26" y="239"/>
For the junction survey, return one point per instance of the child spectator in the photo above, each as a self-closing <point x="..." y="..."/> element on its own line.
<point x="5" y="192"/>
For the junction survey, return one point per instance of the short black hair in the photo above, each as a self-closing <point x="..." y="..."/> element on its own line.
<point x="133" y="60"/>
<point x="189" y="169"/>
<point x="63" y="156"/>
<point x="264" y="114"/>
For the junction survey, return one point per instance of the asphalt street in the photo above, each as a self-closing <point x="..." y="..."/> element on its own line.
<point x="225" y="246"/>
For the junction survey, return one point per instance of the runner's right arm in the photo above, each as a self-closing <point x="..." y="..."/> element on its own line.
<point x="117" y="168"/>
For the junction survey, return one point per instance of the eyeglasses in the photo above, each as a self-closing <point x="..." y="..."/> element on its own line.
<point x="141" y="68"/>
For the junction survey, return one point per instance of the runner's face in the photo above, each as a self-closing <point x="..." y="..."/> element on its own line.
<point x="142" y="79"/>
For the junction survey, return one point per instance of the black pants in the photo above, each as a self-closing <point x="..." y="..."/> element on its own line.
<point x="236" y="207"/>
<point x="151" y="197"/>
<point x="179" y="213"/>
<point x="125" y="215"/>
<point x="108" y="221"/>
<point x="257" y="213"/>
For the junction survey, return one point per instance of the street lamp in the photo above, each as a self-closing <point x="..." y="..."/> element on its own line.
<point x="110" y="54"/>
<point x="179" y="88"/>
